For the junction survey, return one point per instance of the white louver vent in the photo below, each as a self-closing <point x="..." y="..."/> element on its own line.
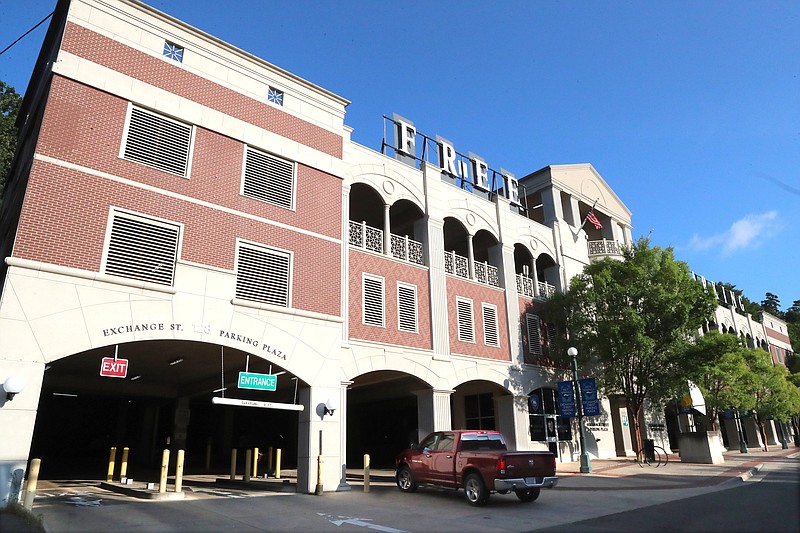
<point x="268" y="178"/>
<point x="142" y="248"/>
<point x="466" y="330"/>
<point x="491" y="336"/>
<point x="373" y="301"/>
<point x="158" y="142"/>
<point x="407" y="307"/>
<point x="534" y="337"/>
<point x="262" y="275"/>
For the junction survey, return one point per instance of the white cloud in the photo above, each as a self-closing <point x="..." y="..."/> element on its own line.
<point x="745" y="234"/>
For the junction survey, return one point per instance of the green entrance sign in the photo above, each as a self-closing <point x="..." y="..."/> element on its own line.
<point x="250" y="380"/>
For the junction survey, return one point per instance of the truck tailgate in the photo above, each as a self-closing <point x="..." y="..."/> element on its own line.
<point x="529" y="464"/>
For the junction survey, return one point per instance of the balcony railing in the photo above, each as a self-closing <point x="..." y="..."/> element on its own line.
<point x="369" y="238"/>
<point x="525" y="285"/>
<point x="487" y="274"/>
<point x="546" y="290"/>
<point x="456" y="264"/>
<point x="406" y="249"/>
<point x="459" y="266"/>
<point x="604" y="247"/>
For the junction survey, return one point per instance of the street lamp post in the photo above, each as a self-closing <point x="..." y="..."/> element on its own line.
<point x="586" y="462"/>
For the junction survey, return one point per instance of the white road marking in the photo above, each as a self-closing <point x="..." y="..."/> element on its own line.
<point x="362" y="522"/>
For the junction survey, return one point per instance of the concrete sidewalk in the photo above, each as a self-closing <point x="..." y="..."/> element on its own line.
<point x="675" y="474"/>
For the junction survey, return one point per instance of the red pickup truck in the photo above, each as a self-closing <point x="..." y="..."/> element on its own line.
<point x="479" y="462"/>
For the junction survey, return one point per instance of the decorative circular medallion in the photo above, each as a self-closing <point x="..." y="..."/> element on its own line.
<point x="534" y="244"/>
<point x="388" y="186"/>
<point x="470" y="219"/>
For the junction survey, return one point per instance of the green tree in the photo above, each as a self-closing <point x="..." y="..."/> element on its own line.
<point x="720" y="373"/>
<point x="772" y="305"/>
<point x="630" y="320"/>
<point x="10" y="103"/>
<point x="774" y="396"/>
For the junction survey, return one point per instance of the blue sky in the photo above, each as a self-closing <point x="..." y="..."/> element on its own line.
<point x="689" y="110"/>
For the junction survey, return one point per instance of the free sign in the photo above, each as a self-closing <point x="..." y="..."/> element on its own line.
<point x="114" y="368"/>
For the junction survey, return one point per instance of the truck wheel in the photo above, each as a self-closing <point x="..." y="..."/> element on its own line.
<point x="405" y="480"/>
<point x="527" y="495"/>
<point x="475" y="490"/>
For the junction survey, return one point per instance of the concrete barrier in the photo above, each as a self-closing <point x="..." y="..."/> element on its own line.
<point x="701" y="447"/>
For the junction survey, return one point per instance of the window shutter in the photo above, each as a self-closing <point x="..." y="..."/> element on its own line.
<point x="158" y="142"/>
<point x="262" y="275"/>
<point x="268" y="178"/>
<point x="490" y="334"/>
<point x="466" y="331"/>
<point x="534" y="337"/>
<point x="142" y="248"/>
<point x="373" y="301"/>
<point x="407" y="307"/>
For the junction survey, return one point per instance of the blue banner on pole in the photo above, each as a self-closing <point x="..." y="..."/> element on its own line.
<point x="566" y="399"/>
<point x="591" y="405"/>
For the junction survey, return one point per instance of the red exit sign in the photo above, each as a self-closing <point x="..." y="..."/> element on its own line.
<point x="114" y="368"/>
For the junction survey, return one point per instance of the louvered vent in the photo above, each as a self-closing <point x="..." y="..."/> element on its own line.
<point x="534" y="337"/>
<point x="551" y="334"/>
<point x="466" y="332"/>
<point x="269" y="179"/>
<point x="490" y="334"/>
<point x="373" y="301"/>
<point x="262" y="275"/>
<point x="142" y="249"/>
<point x="158" y="142"/>
<point x="407" y="307"/>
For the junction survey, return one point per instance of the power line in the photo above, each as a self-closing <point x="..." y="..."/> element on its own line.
<point x="26" y="33"/>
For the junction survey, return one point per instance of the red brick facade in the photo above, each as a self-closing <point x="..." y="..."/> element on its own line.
<point x="478" y="294"/>
<point x="392" y="271"/>
<point x="169" y="76"/>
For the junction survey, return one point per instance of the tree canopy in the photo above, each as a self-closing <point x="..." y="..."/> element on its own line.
<point x="631" y="320"/>
<point x="721" y="374"/>
<point x="10" y="103"/>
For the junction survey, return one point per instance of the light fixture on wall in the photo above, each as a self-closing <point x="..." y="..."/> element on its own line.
<point x="13" y="385"/>
<point x="331" y="405"/>
<point x="176" y="361"/>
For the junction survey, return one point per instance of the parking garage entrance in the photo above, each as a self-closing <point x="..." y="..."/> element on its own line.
<point x="163" y="402"/>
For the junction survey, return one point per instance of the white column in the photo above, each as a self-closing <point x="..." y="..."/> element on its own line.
<point x="438" y="290"/>
<point x="535" y="279"/>
<point x="433" y="411"/>
<point x="387" y="230"/>
<point x="470" y="258"/>
<point x="343" y="485"/>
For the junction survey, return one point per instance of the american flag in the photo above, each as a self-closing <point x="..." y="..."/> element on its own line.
<point x="591" y="217"/>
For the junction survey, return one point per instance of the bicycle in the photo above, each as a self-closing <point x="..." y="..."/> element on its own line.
<point x="658" y="458"/>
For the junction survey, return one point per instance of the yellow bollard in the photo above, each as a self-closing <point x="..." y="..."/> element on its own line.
<point x="233" y="463"/>
<point x="179" y="472"/>
<point x="162" y="482"/>
<point x="255" y="462"/>
<point x="278" y="463"/>
<point x="248" y="458"/>
<point x="33" y="480"/>
<point x="123" y="468"/>
<point x="366" y="472"/>
<point x="320" y="467"/>
<point x="112" y="457"/>
<point x="269" y="461"/>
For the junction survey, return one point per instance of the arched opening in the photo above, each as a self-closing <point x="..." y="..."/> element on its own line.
<point x="163" y="401"/>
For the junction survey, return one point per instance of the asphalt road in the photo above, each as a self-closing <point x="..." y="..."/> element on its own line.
<point x="767" y="502"/>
